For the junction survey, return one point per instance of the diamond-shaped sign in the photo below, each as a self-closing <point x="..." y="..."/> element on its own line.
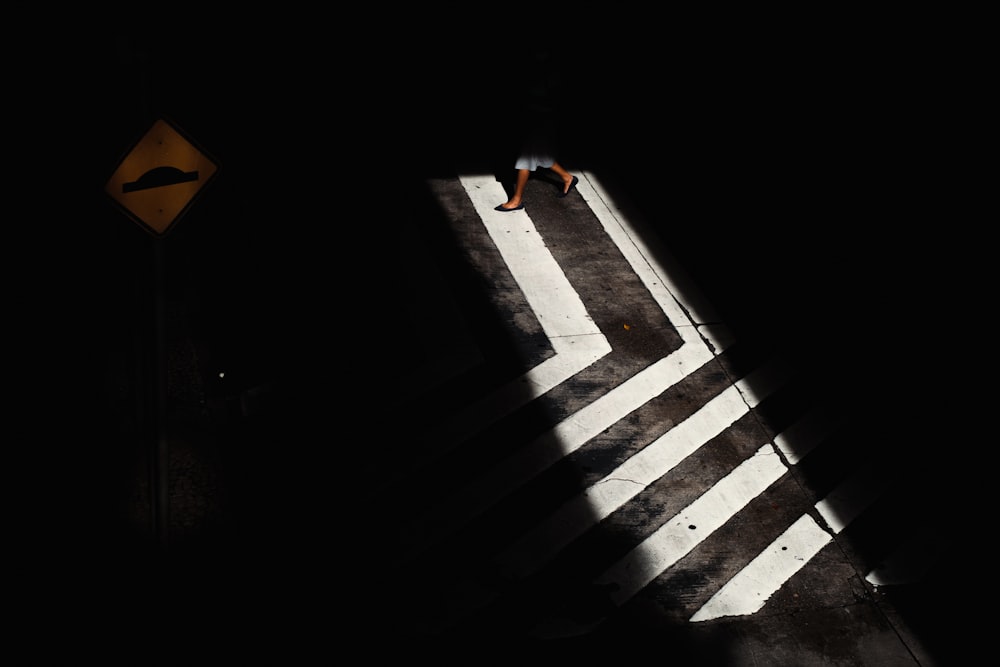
<point x="160" y="177"/>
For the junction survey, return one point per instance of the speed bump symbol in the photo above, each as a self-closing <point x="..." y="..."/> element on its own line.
<point x="159" y="178"/>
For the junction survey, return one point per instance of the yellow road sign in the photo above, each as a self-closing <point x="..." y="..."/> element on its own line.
<point x="159" y="178"/>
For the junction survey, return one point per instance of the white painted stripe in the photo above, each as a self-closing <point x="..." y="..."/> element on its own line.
<point x="804" y="435"/>
<point x="551" y="296"/>
<point x="717" y="335"/>
<point x="566" y="437"/>
<point x="575" y="337"/>
<point x="910" y="561"/>
<point x="544" y="541"/>
<point x="748" y="591"/>
<point x="573" y="354"/>
<point x="686" y="530"/>
<point x="851" y="497"/>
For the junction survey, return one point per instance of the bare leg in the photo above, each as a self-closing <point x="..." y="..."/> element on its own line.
<point x="522" y="181"/>
<point x="564" y="175"/>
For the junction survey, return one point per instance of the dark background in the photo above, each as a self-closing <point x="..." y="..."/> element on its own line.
<point x="808" y="172"/>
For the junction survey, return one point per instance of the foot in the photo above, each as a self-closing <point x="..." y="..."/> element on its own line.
<point x="569" y="185"/>
<point x="510" y="206"/>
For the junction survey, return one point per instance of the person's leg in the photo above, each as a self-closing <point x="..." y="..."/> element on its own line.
<point x="515" y="199"/>
<point x="569" y="180"/>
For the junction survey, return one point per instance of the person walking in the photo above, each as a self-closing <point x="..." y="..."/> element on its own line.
<point x="533" y="156"/>
<point x="537" y="148"/>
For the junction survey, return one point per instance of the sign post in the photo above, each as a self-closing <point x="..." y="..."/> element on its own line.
<point x="155" y="184"/>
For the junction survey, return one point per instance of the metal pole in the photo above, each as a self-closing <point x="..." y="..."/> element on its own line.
<point x="160" y="456"/>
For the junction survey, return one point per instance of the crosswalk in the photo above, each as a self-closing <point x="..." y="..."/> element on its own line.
<point x="629" y="462"/>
